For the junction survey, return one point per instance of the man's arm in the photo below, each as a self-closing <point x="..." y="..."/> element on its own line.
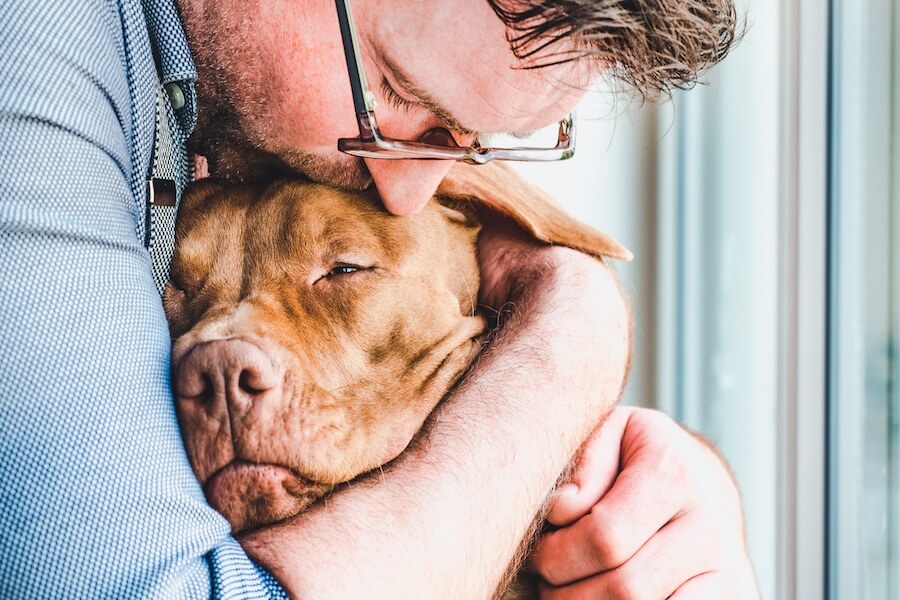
<point x="445" y="519"/>
<point x="97" y="496"/>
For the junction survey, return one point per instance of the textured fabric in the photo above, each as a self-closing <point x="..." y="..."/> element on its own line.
<point x="97" y="498"/>
<point x="161" y="217"/>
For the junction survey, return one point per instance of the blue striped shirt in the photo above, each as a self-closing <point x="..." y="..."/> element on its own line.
<point x="97" y="497"/>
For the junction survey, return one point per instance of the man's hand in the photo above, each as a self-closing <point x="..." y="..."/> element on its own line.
<point x="651" y="512"/>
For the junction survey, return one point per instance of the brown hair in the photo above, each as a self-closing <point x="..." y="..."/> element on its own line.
<point x="655" y="46"/>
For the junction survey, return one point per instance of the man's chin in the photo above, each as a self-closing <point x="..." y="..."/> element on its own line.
<point x="242" y="166"/>
<point x="342" y="171"/>
<point x="238" y="166"/>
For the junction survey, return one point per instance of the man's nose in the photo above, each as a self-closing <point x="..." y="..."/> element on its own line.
<point x="405" y="186"/>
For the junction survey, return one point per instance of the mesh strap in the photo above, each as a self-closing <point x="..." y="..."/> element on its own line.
<point x="164" y="191"/>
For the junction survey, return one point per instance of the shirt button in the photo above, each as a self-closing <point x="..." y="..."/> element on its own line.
<point x="176" y="96"/>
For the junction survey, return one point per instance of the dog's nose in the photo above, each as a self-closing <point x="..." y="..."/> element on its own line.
<point x="220" y="373"/>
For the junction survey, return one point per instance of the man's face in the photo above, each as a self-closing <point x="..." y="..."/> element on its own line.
<point x="274" y="88"/>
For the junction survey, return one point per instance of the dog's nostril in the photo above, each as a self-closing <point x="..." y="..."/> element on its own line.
<point x="193" y="383"/>
<point x="252" y="382"/>
<point x="207" y="389"/>
<point x="201" y="389"/>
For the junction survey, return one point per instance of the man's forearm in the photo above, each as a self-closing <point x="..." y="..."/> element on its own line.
<point x="447" y="516"/>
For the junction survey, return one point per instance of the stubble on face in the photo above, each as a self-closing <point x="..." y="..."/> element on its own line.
<point x="236" y="87"/>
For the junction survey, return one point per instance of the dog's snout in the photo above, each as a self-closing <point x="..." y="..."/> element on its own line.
<point x="232" y="371"/>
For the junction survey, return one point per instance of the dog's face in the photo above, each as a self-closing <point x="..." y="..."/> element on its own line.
<point x="313" y="334"/>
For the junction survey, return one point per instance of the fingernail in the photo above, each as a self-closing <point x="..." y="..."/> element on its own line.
<point x="568" y="489"/>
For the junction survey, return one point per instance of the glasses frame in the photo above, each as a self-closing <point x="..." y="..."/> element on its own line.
<point x="372" y="144"/>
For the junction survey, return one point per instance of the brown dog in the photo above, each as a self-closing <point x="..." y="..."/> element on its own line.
<point x="314" y="332"/>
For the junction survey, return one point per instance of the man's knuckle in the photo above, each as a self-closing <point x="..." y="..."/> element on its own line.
<point x="549" y="559"/>
<point x="626" y="584"/>
<point x="549" y="571"/>
<point x="674" y="468"/>
<point x="607" y="542"/>
<point x="655" y="420"/>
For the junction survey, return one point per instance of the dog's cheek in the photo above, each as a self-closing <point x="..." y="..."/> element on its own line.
<point x="176" y="311"/>
<point x="182" y="319"/>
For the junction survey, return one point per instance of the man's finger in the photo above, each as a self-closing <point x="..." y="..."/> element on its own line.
<point x="672" y="557"/>
<point x="677" y="553"/>
<point x="737" y="581"/>
<point x="636" y="508"/>
<point x="596" y="470"/>
<point x="701" y="587"/>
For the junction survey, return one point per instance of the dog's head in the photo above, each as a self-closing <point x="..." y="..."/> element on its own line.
<point x="314" y="332"/>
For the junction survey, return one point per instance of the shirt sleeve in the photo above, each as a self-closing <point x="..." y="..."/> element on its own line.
<point x="97" y="495"/>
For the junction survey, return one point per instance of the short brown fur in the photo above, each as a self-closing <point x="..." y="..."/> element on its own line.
<point x="292" y="376"/>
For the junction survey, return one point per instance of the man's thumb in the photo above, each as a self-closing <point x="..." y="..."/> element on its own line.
<point x="596" y="469"/>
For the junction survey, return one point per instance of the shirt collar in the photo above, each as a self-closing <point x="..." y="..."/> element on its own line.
<point x="172" y="54"/>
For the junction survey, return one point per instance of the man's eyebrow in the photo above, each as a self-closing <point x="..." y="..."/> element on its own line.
<point x="425" y="99"/>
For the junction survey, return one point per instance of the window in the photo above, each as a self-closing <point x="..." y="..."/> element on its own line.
<point x="864" y="401"/>
<point x="764" y="213"/>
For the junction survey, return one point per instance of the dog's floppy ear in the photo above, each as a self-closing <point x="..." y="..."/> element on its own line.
<point x="498" y="187"/>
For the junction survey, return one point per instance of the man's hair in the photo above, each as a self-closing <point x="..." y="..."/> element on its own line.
<point x="655" y="46"/>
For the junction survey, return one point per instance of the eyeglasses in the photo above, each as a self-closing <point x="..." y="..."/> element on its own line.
<point x="372" y="144"/>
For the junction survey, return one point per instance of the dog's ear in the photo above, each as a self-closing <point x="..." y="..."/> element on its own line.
<point x="499" y="188"/>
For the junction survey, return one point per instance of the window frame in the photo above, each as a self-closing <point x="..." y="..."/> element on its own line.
<point x="804" y="147"/>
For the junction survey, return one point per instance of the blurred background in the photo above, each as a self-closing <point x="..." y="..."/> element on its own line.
<point x="763" y="209"/>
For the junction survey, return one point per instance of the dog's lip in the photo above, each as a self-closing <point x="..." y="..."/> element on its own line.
<point x="246" y="469"/>
<point x="252" y="495"/>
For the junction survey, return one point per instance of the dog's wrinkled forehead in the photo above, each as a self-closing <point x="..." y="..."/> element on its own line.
<point x="309" y="223"/>
<point x="315" y="250"/>
<point x="333" y="228"/>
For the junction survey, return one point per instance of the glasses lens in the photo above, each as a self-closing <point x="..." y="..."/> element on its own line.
<point x="546" y="137"/>
<point x="438" y="137"/>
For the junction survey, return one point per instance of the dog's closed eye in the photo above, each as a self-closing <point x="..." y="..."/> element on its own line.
<point x="343" y="270"/>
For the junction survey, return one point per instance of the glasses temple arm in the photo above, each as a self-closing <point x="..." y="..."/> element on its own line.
<point x="351" y="51"/>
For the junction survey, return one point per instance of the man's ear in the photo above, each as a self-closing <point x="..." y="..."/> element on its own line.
<point x="499" y="188"/>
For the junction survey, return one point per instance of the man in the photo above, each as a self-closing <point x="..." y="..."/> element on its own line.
<point x="98" y="496"/>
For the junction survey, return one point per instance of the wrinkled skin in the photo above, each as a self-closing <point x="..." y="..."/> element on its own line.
<point x="313" y="334"/>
